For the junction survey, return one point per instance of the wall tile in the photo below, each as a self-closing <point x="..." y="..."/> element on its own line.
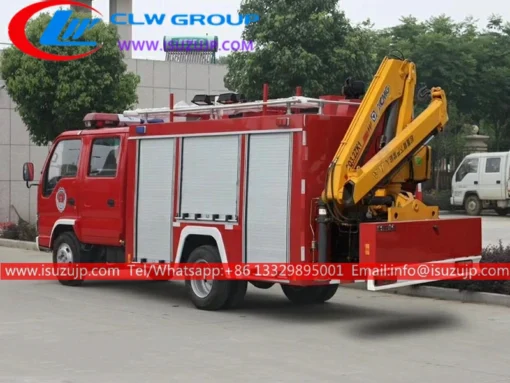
<point x="161" y="98"/>
<point x="197" y="76"/>
<point x="5" y="162"/>
<point x="5" y="100"/>
<point x="19" y="155"/>
<point x="179" y="95"/>
<point x="145" y="97"/>
<point x="161" y="74"/>
<point x="5" y="200"/>
<point x="5" y="126"/>
<point x="178" y="76"/>
<point x="216" y="75"/>
<point x="19" y="132"/>
<point x="20" y="200"/>
<point x="131" y="65"/>
<point x="145" y="69"/>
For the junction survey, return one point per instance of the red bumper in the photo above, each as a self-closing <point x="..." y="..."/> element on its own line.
<point x="420" y="241"/>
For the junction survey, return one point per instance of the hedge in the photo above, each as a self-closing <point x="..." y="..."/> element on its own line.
<point x="438" y="198"/>
<point x="491" y="254"/>
<point x="22" y="231"/>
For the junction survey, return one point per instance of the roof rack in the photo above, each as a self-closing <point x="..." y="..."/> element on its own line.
<point x="298" y="102"/>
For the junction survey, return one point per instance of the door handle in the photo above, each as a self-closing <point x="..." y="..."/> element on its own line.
<point x="476" y="182"/>
<point x="498" y="182"/>
<point x="111" y="203"/>
<point x="71" y="201"/>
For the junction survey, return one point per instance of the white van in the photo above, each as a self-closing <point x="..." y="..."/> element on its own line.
<point x="482" y="182"/>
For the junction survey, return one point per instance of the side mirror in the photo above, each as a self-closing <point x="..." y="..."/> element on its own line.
<point x="28" y="172"/>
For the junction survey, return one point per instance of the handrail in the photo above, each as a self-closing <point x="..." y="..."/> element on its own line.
<point x="295" y="101"/>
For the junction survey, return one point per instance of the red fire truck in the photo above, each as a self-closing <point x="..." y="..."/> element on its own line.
<point x="294" y="180"/>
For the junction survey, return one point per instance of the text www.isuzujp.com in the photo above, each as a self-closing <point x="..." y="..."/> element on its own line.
<point x="183" y="46"/>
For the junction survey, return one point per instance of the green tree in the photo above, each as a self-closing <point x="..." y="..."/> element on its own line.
<point x="53" y="97"/>
<point x="470" y="66"/>
<point x="307" y="43"/>
<point x="492" y="95"/>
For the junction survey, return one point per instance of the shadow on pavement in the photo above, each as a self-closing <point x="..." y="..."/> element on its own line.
<point x="370" y="322"/>
<point x="405" y="324"/>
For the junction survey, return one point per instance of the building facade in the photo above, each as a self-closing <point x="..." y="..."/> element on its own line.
<point x="157" y="80"/>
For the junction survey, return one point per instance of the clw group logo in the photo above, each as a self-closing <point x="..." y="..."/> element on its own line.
<point x="62" y="31"/>
<point x="65" y="31"/>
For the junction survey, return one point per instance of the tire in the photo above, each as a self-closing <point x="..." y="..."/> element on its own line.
<point x="304" y="295"/>
<point x="325" y="293"/>
<point x="207" y="295"/>
<point x="67" y="249"/>
<point x="472" y="205"/>
<point x="501" y="211"/>
<point x="237" y="294"/>
<point x="262" y="285"/>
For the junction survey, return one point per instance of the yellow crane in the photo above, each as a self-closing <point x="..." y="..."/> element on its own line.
<point x="403" y="155"/>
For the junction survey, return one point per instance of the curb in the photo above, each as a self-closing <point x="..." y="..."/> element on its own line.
<point x="442" y="293"/>
<point x="18" y="244"/>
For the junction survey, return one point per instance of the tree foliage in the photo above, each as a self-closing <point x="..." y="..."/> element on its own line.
<point x="53" y="97"/>
<point x="306" y="43"/>
<point x="472" y="65"/>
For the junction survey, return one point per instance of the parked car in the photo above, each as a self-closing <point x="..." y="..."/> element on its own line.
<point x="482" y="182"/>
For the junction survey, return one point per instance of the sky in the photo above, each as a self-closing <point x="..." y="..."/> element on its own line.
<point x="383" y="13"/>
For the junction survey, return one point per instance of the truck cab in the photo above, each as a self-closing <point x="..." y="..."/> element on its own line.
<point x="82" y="184"/>
<point x="482" y="182"/>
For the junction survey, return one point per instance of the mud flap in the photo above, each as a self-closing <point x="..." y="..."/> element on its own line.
<point x="418" y="243"/>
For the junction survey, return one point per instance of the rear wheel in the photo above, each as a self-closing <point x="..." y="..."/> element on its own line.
<point x="502" y="211"/>
<point x="207" y="294"/>
<point x="473" y="205"/>
<point x="237" y="294"/>
<point x="309" y="294"/>
<point x="67" y="249"/>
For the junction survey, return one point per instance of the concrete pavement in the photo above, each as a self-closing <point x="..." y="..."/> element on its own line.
<point x="150" y="332"/>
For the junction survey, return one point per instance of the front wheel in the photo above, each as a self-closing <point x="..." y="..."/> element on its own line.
<point x="208" y="294"/>
<point x="67" y="249"/>
<point x="473" y="205"/>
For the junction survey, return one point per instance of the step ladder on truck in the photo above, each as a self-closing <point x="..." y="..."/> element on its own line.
<point x="286" y="181"/>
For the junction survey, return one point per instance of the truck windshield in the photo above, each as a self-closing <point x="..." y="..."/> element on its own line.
<point x="469" y="165"/>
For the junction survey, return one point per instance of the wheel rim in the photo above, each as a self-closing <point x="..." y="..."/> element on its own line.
<point x="472" y="205"/>
<point x="64" y="254"/>
<point x="201" y="288"/>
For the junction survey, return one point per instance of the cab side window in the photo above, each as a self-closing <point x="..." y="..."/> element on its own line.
<point x="63" y="164"/>
<point x="104" y="157"/>
<point x="492" y="165"/>
<point x="468" y="166"/>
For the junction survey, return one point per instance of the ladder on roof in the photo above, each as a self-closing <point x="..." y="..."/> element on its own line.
<point x="255" y="106"/>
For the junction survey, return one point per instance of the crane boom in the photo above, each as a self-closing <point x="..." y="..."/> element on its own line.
<point x="391" y="94"/>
